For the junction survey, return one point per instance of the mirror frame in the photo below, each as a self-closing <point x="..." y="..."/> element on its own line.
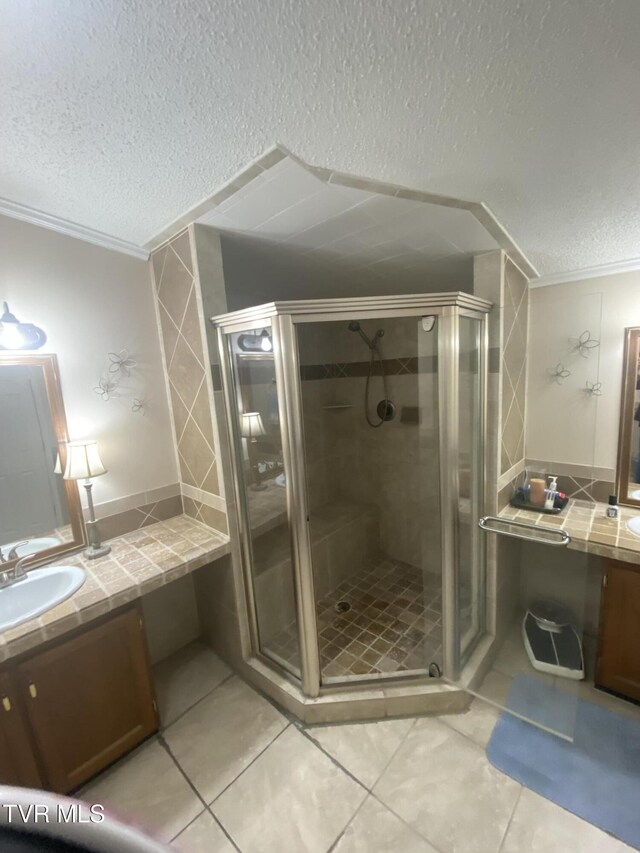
<point x="627" y="411"/>
<point x="49" y="365"/>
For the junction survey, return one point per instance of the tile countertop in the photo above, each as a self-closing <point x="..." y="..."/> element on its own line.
<point x="139" y="562"/>
<point x="590" y="530"/>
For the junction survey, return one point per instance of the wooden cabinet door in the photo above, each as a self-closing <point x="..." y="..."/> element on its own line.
<point x="17" y="763"/>
<point x="618" y="660"/>
<point x="89" y="699"/>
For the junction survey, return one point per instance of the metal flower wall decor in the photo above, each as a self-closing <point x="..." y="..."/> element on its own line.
<point x="559" y="373"/>
<point x="581" y="346"/>
<point x="594" y="389"/>
<point x="584" y="344"/>
<point x="120" y="368"/>
<point x="106" y="388"/>
<point x="121" y="363"/>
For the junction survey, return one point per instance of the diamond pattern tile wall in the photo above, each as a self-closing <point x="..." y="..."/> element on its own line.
<point x="186" y="365"/>
<point x="515" y="319"/>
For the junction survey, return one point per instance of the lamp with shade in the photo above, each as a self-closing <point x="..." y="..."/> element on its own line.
<point x="84" y="463"/>
<point x="251" y="427"/>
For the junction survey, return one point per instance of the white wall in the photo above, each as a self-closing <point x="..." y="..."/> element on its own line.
<point x="563" y="423"/>
<point x="91" y="301"/>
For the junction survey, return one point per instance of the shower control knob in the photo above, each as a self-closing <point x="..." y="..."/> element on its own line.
<point x="386" y="410"/>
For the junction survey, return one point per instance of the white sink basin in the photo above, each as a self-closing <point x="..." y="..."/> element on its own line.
<point x="30" y="546"/>
<point x="39" y="591"/>
<point x="634" y="524"/>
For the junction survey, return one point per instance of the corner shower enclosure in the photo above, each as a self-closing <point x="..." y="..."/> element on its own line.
<point x="358" y="476"/>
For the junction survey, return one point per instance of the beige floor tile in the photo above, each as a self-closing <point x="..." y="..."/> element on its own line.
<point x="186" y="677"/>
<point x="222" y="734"/>
<point x="375" y="829"/>
<point x="540" y="826"/>
<point x="443" y="786"/>
<point x="364" y="749"/>
<point x="479" y="721"/>
<point x="148" y="789"/>
<point x="203" y="836"/>
<point x="292" y="798"/>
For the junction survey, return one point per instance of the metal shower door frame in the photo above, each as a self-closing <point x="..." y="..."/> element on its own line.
<point x="454" y="654"/>
<point x="283" y="318"/>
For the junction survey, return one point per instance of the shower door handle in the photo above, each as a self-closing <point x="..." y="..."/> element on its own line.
<point x="530" y="532"/>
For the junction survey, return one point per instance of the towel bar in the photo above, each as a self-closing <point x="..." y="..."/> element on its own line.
<point x="546" y="535"/>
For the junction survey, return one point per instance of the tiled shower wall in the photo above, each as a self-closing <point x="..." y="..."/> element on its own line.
<point x="394" y="467"/>
<point x="182" y="324"/>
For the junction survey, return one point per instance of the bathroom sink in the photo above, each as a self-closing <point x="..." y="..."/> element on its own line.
<point x="634" y="524"/>
<point x="31" y="546"/>
<point x="39" y="591"/>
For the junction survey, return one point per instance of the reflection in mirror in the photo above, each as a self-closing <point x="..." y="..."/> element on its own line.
<point x="628" y="473"/>
<point x="260" y="423"/>
<point x="39" y="511"/>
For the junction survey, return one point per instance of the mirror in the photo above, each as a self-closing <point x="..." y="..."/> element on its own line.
<point x="628" y="472"/>
<point x="39" y="510"/>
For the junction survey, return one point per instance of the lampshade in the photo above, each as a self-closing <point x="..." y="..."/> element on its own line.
<point x="252" y="425"/>
<point x="83" y="461"/>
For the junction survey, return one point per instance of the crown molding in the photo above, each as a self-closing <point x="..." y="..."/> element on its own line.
<point x="632" y="265"/>
<point x="70" y="229"/>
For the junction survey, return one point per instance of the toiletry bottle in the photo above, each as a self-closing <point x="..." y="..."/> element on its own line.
<point x="536" y="492"/>
<point x="550" y="493"/>
<point x="612" y="509"/>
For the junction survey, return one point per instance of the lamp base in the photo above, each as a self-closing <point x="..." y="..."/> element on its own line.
<point x="95" y="551"/>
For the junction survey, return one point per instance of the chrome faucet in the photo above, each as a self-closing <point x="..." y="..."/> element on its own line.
<point x="13" y="553"/>
<point x="17" y="572"/>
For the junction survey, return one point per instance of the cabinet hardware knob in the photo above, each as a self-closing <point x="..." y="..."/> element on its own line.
<point x="33" y="690"/>
<point x="6" y="703"/>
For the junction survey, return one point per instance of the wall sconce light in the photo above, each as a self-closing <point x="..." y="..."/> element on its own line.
<point x="16" y="335"/>
<point x="256" y="343"/>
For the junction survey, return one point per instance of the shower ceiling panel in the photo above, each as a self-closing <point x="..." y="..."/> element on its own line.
<point x="349" y="227"/>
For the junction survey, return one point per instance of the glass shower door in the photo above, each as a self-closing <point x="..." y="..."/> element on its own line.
<point x="254" y="405"/>
<point x="518" y="594"/>
<point x="369" y="390"/>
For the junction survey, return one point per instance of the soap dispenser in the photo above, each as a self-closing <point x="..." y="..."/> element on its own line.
<point x="551" y="492"/>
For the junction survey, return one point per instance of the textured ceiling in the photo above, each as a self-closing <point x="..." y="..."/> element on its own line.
<point x="121" y="116"/>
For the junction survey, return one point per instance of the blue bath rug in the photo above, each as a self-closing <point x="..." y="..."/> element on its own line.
<point x="597" y="777"/>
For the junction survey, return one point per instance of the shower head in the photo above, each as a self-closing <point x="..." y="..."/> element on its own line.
<point x="354" y="326"/>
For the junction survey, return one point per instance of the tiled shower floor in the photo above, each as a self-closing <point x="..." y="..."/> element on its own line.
<point x="393" y="624"/>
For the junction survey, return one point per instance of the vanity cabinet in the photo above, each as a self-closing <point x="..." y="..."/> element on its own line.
<point x="18" y="765"/>
<point x="618" y="658"/>
<point x="87" y="699"/>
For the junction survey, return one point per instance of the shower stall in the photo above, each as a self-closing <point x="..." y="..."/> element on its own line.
<point x="357" y="443"/>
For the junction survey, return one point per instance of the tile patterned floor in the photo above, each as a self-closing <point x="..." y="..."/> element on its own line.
<point x="394" y="624"/>
<point x="232" y="773"/>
